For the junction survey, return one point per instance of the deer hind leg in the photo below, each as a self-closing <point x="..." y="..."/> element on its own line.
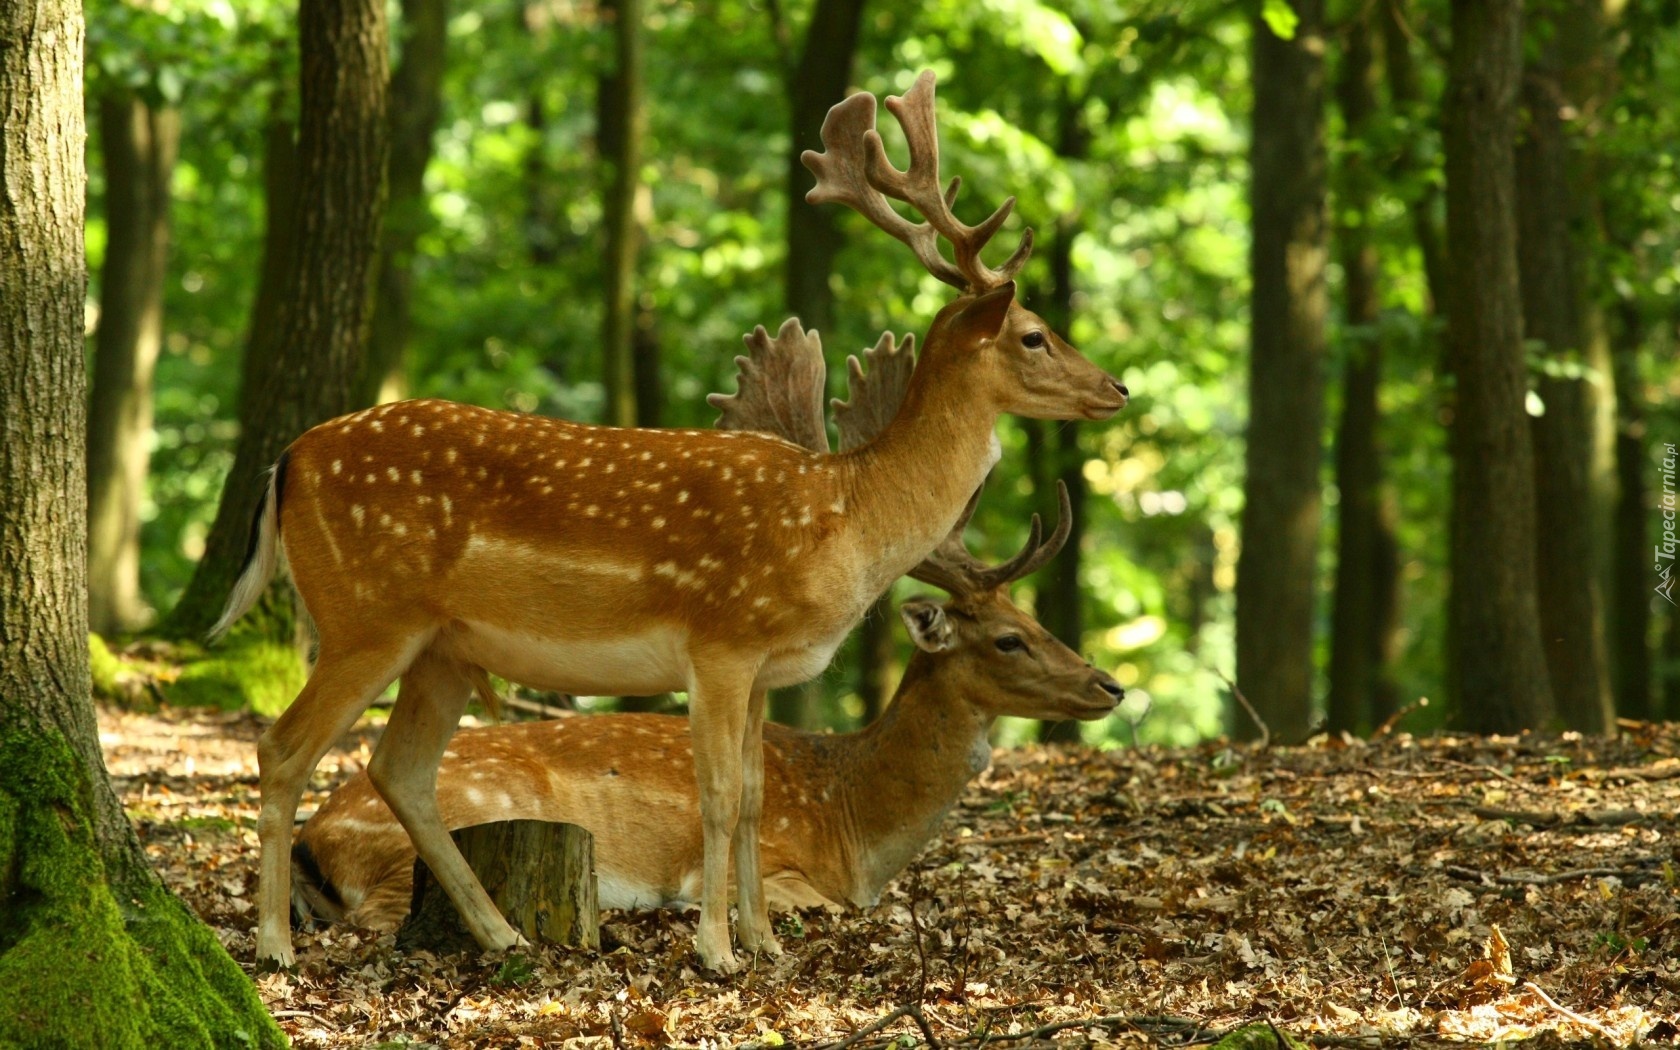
<point x="752" y="906"/>
<point x="717" y="716"/>
<point x="433" y="694"/>
<point x="342" y="684"/>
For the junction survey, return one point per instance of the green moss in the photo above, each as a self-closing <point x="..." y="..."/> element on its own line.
<point x="250" y="673"/>
<point x="1260" y="1037"/>
<point x="107" y="669"/>
<point x="81" y="967"/>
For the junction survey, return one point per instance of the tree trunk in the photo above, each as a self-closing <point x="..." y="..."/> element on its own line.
<point x="539" y="873"/>
<point x="1566" y="556"/>
<point x="1405" y="97"/>
<point x="820" y="80"/>
<point x="93" y="950"/>
<point x="1060" y="606"/>
<point x="1496" y="664"/>
<point x="623" y="128"/>
<point x="1630" y="596"/>
<point x="138" y="144"/>
<point x="320" y="332"/>
<point x="1280" y="521"/>
<point x="817" y="81"/>
<point x="1354" y="646"/>
<point x="416" y="104"/>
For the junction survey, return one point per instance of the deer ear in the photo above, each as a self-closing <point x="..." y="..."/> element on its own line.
<point x="928" y="627"/>
<point x="983" y="318"/>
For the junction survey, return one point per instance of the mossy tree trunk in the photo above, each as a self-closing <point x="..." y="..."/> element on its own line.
<point x="320" y="333"/>
<point x="93" y="950"/>
<point x="138" y="143"/>
<point x="1280" y="520"/>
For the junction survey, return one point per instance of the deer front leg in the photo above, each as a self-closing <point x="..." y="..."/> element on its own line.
<point x="752" y="906"/>
<point x="339" y="689"/>
<point x="717" y="716"/>
<point x="430" y="700"/>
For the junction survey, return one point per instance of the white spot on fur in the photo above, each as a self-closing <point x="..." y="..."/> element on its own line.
<point x="338" y="466"/>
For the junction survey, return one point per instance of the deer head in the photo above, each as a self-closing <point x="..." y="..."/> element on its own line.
<point x="1019" y="364"/>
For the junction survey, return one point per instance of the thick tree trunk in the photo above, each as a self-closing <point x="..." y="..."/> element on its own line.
<point x="622" y="131"/>
<point x="1496" y="663"/>
<point x="321" y="328"/>
<point x="817" y="81"/>
<point x="416" y="104"/>
<point x="93" y="950"/>
<point x="138" y="144"/>
<point x="1566" y="557"/>
<point x="1280" y="522"/>
<point x="1357" y="645"/>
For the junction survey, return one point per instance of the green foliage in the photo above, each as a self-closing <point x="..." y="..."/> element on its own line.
<point x="515" y="970"/>
<point x="80" y="966"/>
<point x="248" y="672"/>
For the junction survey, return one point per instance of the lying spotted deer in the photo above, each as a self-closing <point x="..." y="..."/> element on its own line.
<point x="428" y="539"/>
<point x="842" y="814"/>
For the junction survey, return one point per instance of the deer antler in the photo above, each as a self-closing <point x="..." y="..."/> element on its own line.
<point x="854" y="170"/>
<point x="952" y="568"/>
<point x="876" y="394"/>
<point x="780" y="387"/>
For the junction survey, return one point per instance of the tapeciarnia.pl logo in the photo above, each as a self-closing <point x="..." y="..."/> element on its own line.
<point x="1666" y="548"/>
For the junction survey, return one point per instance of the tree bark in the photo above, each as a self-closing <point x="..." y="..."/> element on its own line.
<point x="1496" y="663"/>
<point x="1566" y="555"/>
<point x="93" y="950"/>
<point x="1362" y="623"/>
<point x="816" y="81"/>
<point x="1280" y="520"/>
<point x="138" y="146"/>
<point x="622" y="131"/>
<point x="540" y="874"/>
<point x="416" y="105"/>
<point x="320" y="333"/>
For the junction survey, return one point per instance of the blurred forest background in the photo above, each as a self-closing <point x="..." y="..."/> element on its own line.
<point x="1393" y="286"/>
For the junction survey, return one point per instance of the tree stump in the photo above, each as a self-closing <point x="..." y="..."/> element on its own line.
<point x="539" y="873"/>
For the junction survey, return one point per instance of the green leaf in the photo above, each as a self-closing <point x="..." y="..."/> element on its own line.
<point x="1280" y="18"/>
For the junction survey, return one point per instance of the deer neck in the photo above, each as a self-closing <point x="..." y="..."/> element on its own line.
<point x="907" y="487"/>
<point x="904" y="772"/>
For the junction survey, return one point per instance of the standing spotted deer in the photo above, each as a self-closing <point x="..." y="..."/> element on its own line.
<point x="842" y="814"/>
<point x="427" y="539"/>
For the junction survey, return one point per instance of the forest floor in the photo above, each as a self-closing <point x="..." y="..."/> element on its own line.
<point x="1418" y="892"/>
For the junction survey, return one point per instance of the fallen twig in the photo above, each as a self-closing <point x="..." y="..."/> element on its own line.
<point x="1632" y="876"/>
<point x="1394" y="720"/>
<point x="1567" y="1012"/>
<point x="1265" y="740"/>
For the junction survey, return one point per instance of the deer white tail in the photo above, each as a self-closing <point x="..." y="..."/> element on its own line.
<point x="261" y="556"/>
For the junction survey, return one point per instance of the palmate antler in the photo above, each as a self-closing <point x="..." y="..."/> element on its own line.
<point x="779" y="391"/>
<point x="854" y="171"/>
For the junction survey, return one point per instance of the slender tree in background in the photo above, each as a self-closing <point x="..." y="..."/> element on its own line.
<point x="1422" y="194"/>
<point x="817" y="78"/>
<point x="138" y="144"/>
<point x="1629" y="614"/>
<point x="416" y="103"/>
<point x="1364" y="619"/>
<point x="1280" y="519"/>
<point x="1059" y="604"/>
<point x="1567" y="562"/>
<point x="320" y="329"/>
<point x="95" y="951"/>
<point x="623" y="129"/>
<point x="1496" y="664"/>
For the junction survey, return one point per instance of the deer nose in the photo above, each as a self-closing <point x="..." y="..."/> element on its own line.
<point x="1111" y="687"/>
<point x="1121" y="387"/>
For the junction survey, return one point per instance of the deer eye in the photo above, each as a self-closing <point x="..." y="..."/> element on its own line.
<point x="1033" y="340"/>
<point x="1010" y="643"/>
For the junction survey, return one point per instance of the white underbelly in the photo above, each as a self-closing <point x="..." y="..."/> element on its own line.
<point x="641" y="664"/>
